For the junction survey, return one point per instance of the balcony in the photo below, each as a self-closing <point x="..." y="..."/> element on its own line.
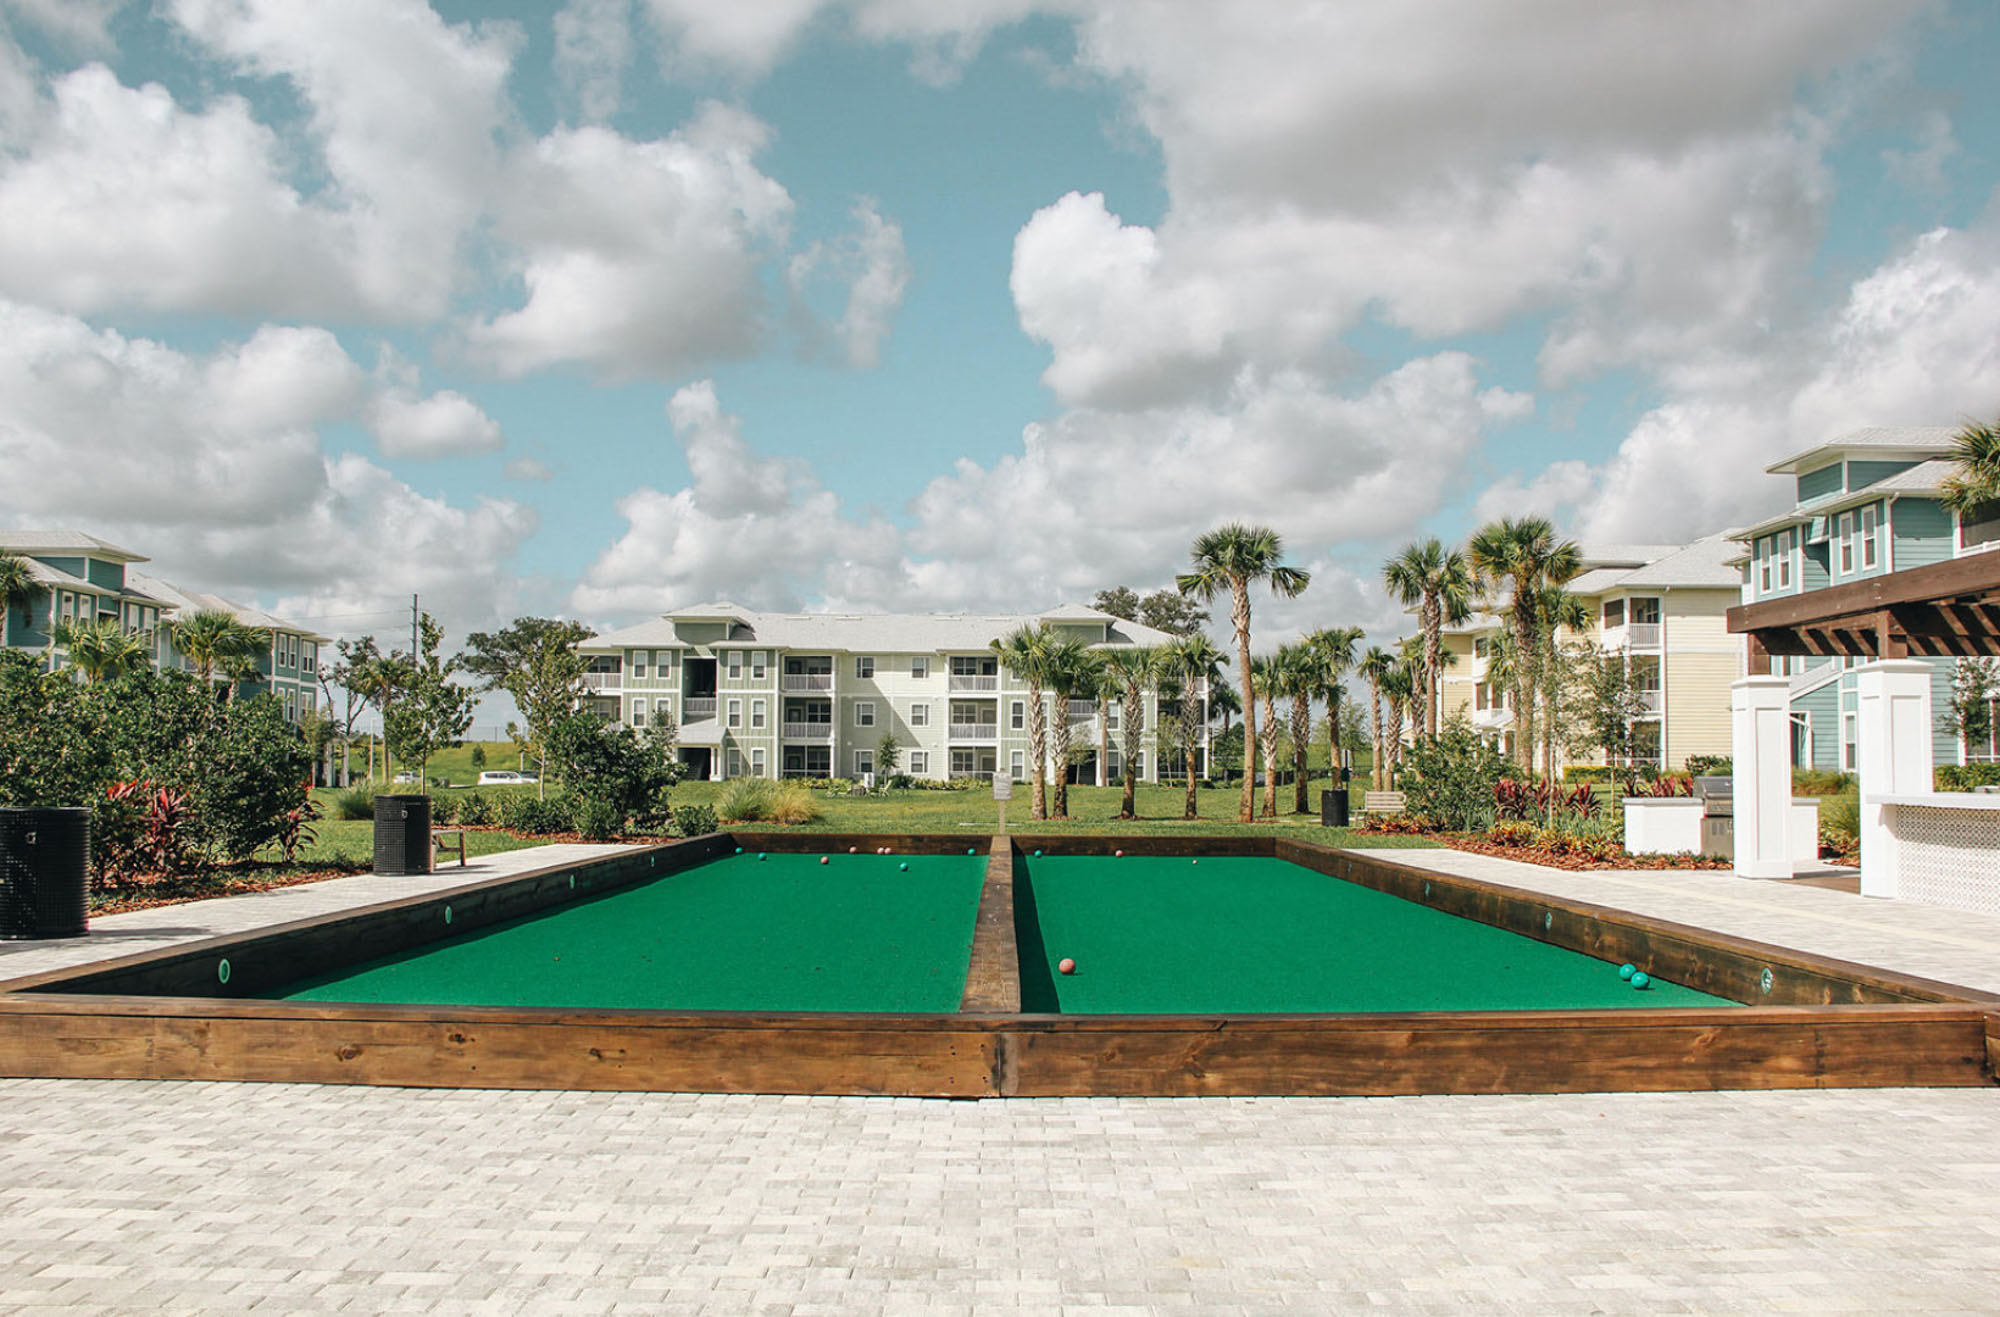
<point x="696" y="708"/>
<point x="806" y="681"/>
<point x="974" y="732"/>
<point x="1649" y="702"/>
<point x="1633" y="635"/>
<point x="963" y="683"/>
<point x="604" y="681"/>
<point x="806" y="731"/>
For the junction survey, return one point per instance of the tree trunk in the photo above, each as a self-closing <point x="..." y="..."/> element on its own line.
<point x="1393" y="748"/>
<point x="1103" y="736"/>
<point x="1135" y="705"/>
<point x="1191" y="724"/>
<point x="1524" y="690"/>
<point x="1301" y="749"/>
<point x="1433" y="624"/>
<point x="1060" y="804"/>
<point x="1375" y="749"/>
<point x="1240" y="614"/>
<point x="1038" y="744"/>
<point x="1270" y="748"/>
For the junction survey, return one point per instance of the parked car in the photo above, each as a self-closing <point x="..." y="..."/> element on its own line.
<point x="403" y="779"/>
<point x="503" y="777"/>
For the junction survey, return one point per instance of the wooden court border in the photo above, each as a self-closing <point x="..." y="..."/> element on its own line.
<point x="1808" y="1021"/>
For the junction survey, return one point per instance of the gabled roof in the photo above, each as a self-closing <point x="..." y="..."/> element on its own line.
<point x="66" y="542"/>
<point x="1701" y="564"/>
<point x="189" y="602"/>
<point x="1624" y="555"/>
<point x="868" y="633"/>
<point x="1877" y="442"/>
<point x="1924" y="479"/>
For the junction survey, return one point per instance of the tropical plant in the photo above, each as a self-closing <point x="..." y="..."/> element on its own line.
<point x="1073" y="672"/>
<point x="1330" y="656"/>
<point x="1188" y="667"/>
<point x="1975" y="483"/>
<point x="1525" y="554"/>
<point x="1453" y="777"/>
<point x="214" y="636"/>
<point x="626" y="769"/>
<point x="1266" y="682"/>
<point x="888" y="756"/>
<point x="1375" y="667"/>
<point x="1229" y="558"/>
<point x="1399" y="688"/>
<point x="745" y="799"/>
<point x="102" y="648"/>
<point x="18" y="589"/>
<point x="1299" y="681"/>
<point x="1439" y="583"/>
<point x="694" y="820"/>
<point x="1557" y="610"/>
<point x="1131" y="672"/>
<point x="1024" y="652"/>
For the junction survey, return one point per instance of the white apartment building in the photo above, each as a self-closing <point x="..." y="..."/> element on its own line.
<point x="1663" y="607"/>
<point x="811" y="694"/>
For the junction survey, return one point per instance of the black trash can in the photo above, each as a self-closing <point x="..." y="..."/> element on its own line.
<point x="44" y="872"/>
<point x="1333" y="808"/>
<point x="402" y="834"/>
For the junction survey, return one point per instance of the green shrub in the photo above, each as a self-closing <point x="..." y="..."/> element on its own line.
<point x="352" y="803"/>
<point x="1964" y="777"/>
<point x="1709" y="765"/>
<point x="694" y="821"/>
<point x="596" y="818"/>
<point x="1840" y="823"/>
<point x="254" y="772"/>
<point x="475" y="810"/>
<point x="1586" y="773"/>
<point x="627" y="770"/>
<point x="1821" y="782"/>
<point x="531" y="817"/>
<point x="1451" y="779"/>
<point x="746" y="800"/>
<point x="444" y="809"/>
<point x="791" y="804"/>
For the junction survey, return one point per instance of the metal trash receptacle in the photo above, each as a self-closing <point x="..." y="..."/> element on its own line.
<point x="44" y="872"/>
<point x="402" y="835"/>
<point x="1333" y="807"/>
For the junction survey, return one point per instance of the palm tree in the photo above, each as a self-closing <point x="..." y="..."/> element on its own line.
<point x="1073" y="673"/>
<point x="1223" y="699"/>
<point x="1399" y="685"/>
<point x="1298" y="671"/>
<point x="18" y="589"/>
<point x="1025" y="653"/>
<point x="1439" y="583"/>
<point x="1376" y="666"/>
<point x="214" y="636"/>
<point x="1133" y="671"/>
<point x="1501" y="669"/>
<point x="1266" y="682"/>
<point x="1191" y="665"/>
<point x="102" y="649"/>
<point x="238" y="670"/>
<point x="1527" y="555"/>
<point x="1229" y="558"/>
<point x="1976" y="450"/>
<point x="1332" y="655"/>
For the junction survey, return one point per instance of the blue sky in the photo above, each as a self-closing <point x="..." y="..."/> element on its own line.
<point x="605" y="308"/>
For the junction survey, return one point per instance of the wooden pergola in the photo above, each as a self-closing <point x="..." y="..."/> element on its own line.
<point x="1947" y="609"/>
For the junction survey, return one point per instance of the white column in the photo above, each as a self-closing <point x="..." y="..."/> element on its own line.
<point x="1893" y="754"/>
<point x="1760" y="715"/>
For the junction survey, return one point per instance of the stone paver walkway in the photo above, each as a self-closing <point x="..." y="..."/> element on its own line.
<point x="117" y="1196"/>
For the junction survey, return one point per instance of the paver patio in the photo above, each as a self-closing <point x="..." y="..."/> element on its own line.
<point x="116" y="1196"/>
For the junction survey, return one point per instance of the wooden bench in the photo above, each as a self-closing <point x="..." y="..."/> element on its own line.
<point x="443" y="847"/>
<point x="1382" y="802"/>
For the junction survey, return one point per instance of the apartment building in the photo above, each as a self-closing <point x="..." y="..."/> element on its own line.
<point x="87" y="579"/>
<point x="1866" y="503"/>
<point x="811" y="694"/>
<point x="1660" y="605"/>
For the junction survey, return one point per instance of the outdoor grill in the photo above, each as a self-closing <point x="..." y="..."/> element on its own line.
<point x="1718" y="815"/>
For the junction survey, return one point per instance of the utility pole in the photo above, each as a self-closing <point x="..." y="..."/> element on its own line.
<point x="414" y="651"/>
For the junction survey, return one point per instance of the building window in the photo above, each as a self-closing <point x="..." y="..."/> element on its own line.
<point x="638" y="713"/>
<point x="639" y="664"/>
<point x="864" y="762"/>
<point x="1764" y="552"/>
<point x="920" y="715"/>
<point x="756" y="713"/>
<point x="962" y="763"/>
<point x="735" y="762"/>
<point x="1847" y="740"/>
<point x="736" y="665"/>
<point x="1017" y="716"/>
<point x="1846" y="543"/>
<point x="1785" y="560"/>
<point x="736" y="713"/>
<point x="864" y="713"/>
<point x="864" y="665"/>
<point x="661" y="658"/>
<point x="1017" y="766"/>
<point x="920" y="667"/>
<point x="920" y="762"/>
<point x="756" y="761"/>
<point x="1614" y="616"/>
<point x="1868" y="550"/>
<point x="759" y="661"/>
<point x="1646" y="612"/>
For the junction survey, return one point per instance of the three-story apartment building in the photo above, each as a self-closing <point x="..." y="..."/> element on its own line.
<point x="811" y="695"/>
<point x="1867" y="503"/>
<point x="88" y="579"/>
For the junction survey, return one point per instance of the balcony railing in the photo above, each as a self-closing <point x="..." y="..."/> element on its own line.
<point x="975" y="731"/>
<point x="808" y="681"/>
<point x="1649" y="701"/>
<point x="965" y="683"/>
<point x="1082" y="710"/>
<point x="808" y="731"/>
<point x="697" y="707"/>
<point x="603" y="681"/>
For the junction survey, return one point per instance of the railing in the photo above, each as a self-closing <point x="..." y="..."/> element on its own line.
<point x="975" y="731"/>
<point x="808" y="731"/>
<point x="1649" y="701"/>
<point x="809" y="681"/>
<point x="964" y="683"/>
<point x="977" y="775"/>
<point x="695" y="708"/>
<point x="1643" y="635"/>
<point x="1082" y="711"/>
<point x="603" y="681"/>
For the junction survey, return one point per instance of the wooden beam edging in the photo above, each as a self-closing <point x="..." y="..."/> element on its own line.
<point x="993" y="976"/>
<point x="1720" y="964"/>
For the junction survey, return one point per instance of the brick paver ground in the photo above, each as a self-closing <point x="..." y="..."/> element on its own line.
<point x="120" y="1197"/>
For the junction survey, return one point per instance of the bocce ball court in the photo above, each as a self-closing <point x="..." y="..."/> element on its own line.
<point x="935" y="966"/>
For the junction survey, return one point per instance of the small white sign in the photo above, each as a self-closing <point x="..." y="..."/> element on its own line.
<point x="1003" y="788"/>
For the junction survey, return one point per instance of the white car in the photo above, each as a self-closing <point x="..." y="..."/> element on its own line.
<point x="503" y="777"/>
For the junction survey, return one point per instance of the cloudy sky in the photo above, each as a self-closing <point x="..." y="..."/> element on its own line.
<point x="894" y="304"/>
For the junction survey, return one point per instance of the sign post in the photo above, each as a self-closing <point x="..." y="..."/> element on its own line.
<point x="1003" y="791"/>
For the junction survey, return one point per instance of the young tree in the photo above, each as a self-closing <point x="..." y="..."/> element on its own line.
<point x="888" y="756"/>
<point x="1025" y="653"/>
<point x="1229" y="558"/>
<point x="1299" y="679"/>
<point x="1190" y="666"/>
<point x="1525" y="554"/>
<point x="1601" y="702"/>
<point x="1438" y="583"/>
<point x="351" y="673"/>
<point x="1558" y="610"/>
<point x="478" y="757"/>
<point x="1968" y="714"/>
<point x="431" y="710"/>
<point x="213" y="637"/>
<point x="1132" y="672"/>
<point x="1266" y="683"/>
<point x="535" y="660"/>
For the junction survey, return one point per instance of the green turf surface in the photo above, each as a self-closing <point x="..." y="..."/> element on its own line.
<point x="783" y="934"/>
<point x="1171" y="936"/>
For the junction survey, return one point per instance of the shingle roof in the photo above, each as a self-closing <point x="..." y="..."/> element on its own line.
<point x="65" y="541"/>
<point x="1925" y="477"/>
<point x="864" y="633"/>
<point x="1702" y="563"/>
<point x="191" y="602"/>
<point x="1904" y="438"/>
